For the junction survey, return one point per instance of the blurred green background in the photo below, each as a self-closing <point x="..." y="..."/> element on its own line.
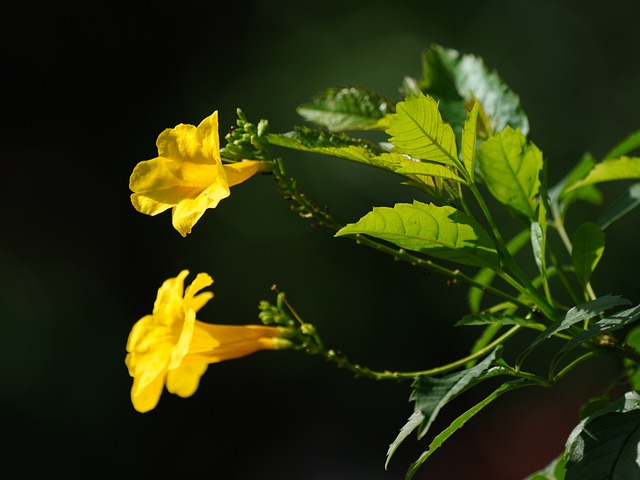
<point x="87" y="90"/>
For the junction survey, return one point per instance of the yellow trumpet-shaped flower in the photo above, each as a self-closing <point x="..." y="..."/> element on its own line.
<point x="170" y="347"/>
<point x="188" y="175"/>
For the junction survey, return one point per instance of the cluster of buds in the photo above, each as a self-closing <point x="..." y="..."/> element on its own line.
<point x="245" y="140"/>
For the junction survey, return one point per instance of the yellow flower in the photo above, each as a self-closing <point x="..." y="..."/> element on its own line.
<point x="188" y="175"/>
<point x="170" y="347"/>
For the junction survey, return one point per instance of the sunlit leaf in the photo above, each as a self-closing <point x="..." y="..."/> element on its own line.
<point x="417" y="130"/>
<point x="328" y="143"/>
<point x="439" y="231"/>
<point x="457" y="79"/>
<point x="622" y="168"/>
<point x="348" y="108"/>
<point x="469" y="141"/>
<point x="627" y="145"/>
<point x="510" y="167"/>
<point x="605" y="445"/>
<point x="425" y="168"/>
<point x="588" y="246"/>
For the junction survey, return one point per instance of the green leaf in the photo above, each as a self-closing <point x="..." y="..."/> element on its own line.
<point x="469" y="141"/>
<point x="488" y="318"/>
<point x="431" y="394"/>
<point x="459" y="423"/>
<point x="588" y="246"/>
<point x="561" y="198"/>
<point x="348" y="108"/>
<point x="629" y="200"/>
<point x="414" y="421"/>
<point x="510" y="167"/>
<point x="633" y="340"/>
<point x="554" y="471"/>
<point x="417" y="130"/>
<point x="424" y="168"/>
<point x="328" y="143"/>
<point x="577" y="314"/>
<point x="456" y="79"/>
<point x="630" y="143"/>
<point x="604" y="446"/>
<point x="614" y="322"/>
<point x="623" y="168"/>
<point x="439" y="231"/>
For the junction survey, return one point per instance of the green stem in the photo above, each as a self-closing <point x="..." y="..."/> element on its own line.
<point x="308" y="209"/>
<point x="343" y="362"/>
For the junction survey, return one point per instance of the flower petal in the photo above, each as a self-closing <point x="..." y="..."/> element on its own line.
<point x="208" y="134"/>
<point x="146" y="398"/>
<point x="184" y="380"/>
<point x="241" y="171"/>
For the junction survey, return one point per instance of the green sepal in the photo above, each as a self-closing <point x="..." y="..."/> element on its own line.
<point x="348" y="108"/>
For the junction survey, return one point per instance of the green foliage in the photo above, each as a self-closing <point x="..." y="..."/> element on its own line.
<point x="417" y="130"/>
<point x="604" y="446"/>
<point x="348" y="108"/>
<point x="459" y="135"/>
<point x="510" y="167"/>
<point x="441" y="232"/>
<point x="457" y="79"/>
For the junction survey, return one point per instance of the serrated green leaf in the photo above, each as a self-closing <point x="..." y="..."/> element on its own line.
<point x="424" y="168"/>
<point x="614" y="322"/>
<point x="417" y="130"/>
<point x="324" y="142"/>
<point x="414" y="421"/>
<point x="459" y="423"/>
<point x="510" y="167"/>
<point x="605" y="445"/>
<point x="578" y="314"/>
<point x="622" y="168"/>
<point x="469" y="141"/>
<point x="627" y="145"/>
<point x="457" y="79"/>
<point x="629" y="200"/>
<point x="488" y="318"/>
<point x="348" y="108"/>
<point x="439" y="231"/>
<point x="431" y="394"/>
<point x="588" y="246"/>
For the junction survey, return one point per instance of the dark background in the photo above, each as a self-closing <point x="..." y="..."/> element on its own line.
<point x="88" y="88"/>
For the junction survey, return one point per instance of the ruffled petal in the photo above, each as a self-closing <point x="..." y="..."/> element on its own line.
<point x="208" y="133"/>
<point x="181" y="143"/>
<point x="146" y="398"/>
<point x="184" y="380"/>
